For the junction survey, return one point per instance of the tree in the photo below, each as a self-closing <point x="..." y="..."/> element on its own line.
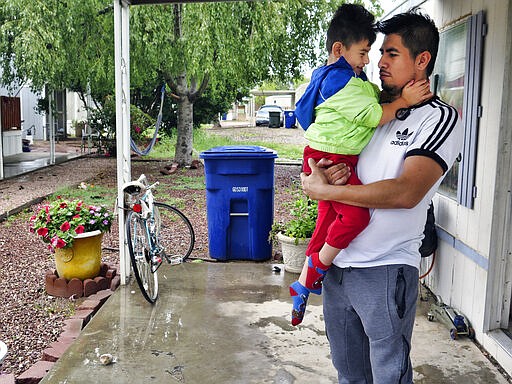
<point x="225" y="48"/>
<point x="57" y="45"/>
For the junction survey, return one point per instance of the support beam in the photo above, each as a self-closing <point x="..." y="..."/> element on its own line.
<point x="122" y="85"/>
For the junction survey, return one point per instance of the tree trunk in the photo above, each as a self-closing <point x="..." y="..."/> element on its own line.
<point x="183" y="155"/>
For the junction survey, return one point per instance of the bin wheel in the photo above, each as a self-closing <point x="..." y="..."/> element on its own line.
<point x="453" y="334"/>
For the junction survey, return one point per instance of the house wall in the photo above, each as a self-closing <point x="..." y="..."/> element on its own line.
<point x="75" y="111"/>
<point x="284" y="101"/>
<point x="472" y="240"/>
<point x="29" y="115"/>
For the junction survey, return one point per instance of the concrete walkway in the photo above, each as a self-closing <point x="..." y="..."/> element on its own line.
<point x="223" y="323"/>
<point x="227" y="323"/>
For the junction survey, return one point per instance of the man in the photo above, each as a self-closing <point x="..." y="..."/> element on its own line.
<point x="370" y="291"/>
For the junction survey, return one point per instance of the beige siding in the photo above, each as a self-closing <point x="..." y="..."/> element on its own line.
<point x="460" y="281"/>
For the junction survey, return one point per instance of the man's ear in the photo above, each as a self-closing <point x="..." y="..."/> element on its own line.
<point x="422" y="60"/>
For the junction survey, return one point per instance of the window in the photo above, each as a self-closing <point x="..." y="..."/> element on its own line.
<point x="457" y="81"/>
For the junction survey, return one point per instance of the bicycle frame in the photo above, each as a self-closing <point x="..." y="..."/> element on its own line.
<point x="150" y="228"/>
<point x="144" y="206"/>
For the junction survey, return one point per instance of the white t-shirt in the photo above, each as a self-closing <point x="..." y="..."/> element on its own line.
<point x="394" y="235"/>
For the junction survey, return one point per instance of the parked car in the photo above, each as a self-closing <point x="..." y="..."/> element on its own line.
<point x="262" y="115"/>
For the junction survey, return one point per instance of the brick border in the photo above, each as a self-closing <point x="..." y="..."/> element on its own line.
<point x="72" y="326"/>
<point x="60" y="287"/>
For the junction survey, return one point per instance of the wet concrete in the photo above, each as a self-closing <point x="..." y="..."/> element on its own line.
<point x="21" y="163"/>
<point x="228" y="323"/>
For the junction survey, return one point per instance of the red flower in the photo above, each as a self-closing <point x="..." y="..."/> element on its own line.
<point x="76" y="217"/>
<point x="65" y="226"/>
<point x="42" y="232"/>
<point x="80" y="229"/>
<point x="57" y="242"/>
<point x="63" y="205"/>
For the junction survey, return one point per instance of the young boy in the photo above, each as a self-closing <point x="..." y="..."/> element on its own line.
<point x="340" y="110"/>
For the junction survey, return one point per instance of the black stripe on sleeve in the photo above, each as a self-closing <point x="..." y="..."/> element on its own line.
<point x="443" y="128"/>
<point x="434" y="156"/>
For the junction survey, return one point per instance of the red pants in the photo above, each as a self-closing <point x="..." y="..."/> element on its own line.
<point x="337" y="224"/>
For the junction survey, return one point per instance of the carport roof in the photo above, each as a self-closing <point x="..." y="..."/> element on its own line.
<point x="146" y="2"/>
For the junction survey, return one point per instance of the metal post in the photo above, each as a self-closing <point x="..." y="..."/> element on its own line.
<point x="51" y="127"/>
<point x="1" y="153"/>
<point x="88" y="130"/>
<point x="122" y="83"/>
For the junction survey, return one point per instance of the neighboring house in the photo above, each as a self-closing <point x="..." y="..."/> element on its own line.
<point x="473" y="266"/>
<point x="17" y="115"/>
<point x="20" y="119"/>
<point x="284" y="101"/>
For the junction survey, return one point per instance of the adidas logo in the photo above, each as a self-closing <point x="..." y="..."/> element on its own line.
<point x="404" y="135"/>
<point x="402" y="138"/>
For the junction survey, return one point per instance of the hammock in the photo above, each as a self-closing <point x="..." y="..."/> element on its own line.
<point x="157" y="126"/>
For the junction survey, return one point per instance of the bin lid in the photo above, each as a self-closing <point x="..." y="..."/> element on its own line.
<point x="228" y="151"/>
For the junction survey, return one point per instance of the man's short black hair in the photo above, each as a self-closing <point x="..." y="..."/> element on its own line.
<point x="351" y="24"/>
<point x="418" y="33"/>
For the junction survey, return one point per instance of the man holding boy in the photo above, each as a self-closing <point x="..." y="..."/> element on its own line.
<point x="370" y="291"/>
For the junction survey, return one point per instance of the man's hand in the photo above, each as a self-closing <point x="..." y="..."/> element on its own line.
<point x="322" y="174"/>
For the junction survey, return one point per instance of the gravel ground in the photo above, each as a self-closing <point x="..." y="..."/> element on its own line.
<point x="30" y="319"/>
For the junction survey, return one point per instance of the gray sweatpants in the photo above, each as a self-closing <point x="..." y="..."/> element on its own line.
<point x="369" y="316"/>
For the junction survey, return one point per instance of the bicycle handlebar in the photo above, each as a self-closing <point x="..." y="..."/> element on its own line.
<point x="144" y="181"/>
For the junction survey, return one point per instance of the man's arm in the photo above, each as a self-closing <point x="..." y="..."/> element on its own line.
<point x="419" y="174"/>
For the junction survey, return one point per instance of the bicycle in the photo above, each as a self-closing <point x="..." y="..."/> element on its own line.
<point x="154" y="231"/>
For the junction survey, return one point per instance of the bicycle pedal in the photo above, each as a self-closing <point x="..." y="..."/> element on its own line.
<point x="176" y="260"/>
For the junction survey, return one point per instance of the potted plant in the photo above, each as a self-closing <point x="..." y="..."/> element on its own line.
<point x="73" y="231"/>
<point x="293" y="235"/>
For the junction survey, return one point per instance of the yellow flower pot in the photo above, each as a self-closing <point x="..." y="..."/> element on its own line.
<point x="83" y="259"/>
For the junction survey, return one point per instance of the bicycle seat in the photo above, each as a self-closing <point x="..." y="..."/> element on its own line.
<point x="133" y="187"/>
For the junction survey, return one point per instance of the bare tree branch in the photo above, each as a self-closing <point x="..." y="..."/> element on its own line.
<point x="204" y="84"/>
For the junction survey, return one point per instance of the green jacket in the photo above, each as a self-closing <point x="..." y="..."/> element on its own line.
<point x="345" y="122"/>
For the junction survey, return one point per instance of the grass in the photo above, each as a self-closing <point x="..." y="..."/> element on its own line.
<point x="163" y="149"/>
<point x="175" y="202"/>
<point x="204" y="140"/>
<point x="89" y="193"/>
<point x="183" y="182"/>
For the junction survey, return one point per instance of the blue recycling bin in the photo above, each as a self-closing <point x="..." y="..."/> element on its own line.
<point x="239" y="201"/>
<point x="289" y="119"/>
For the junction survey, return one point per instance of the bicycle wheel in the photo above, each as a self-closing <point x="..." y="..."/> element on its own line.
<point x="175" y="234"/>
<point x="138" y="246"/>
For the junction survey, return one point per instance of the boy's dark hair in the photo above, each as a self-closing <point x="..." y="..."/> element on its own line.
<point x="351" y="24"/>
<point x="418" y="33"/>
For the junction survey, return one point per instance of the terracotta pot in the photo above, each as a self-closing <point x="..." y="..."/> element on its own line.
<point x="294" y="252"/>
<point x="83" y="259"/>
